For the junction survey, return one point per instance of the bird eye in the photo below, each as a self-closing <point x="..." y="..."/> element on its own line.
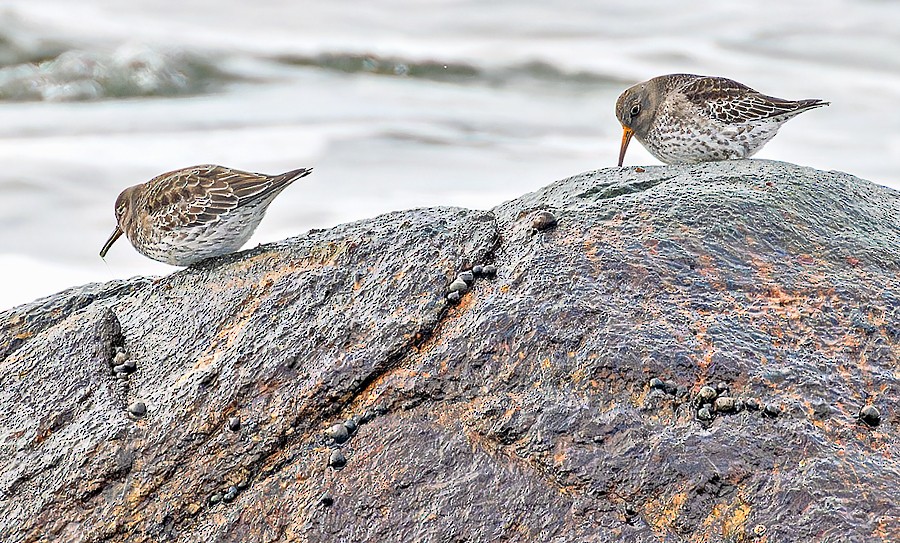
<point x="635" y="109"/>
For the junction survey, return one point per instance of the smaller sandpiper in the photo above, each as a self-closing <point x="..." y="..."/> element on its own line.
<point x="188" y="215"/>
<point x="685" y="118"/>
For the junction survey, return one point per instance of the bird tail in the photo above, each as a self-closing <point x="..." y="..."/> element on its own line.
<point x="810" y="103"/>
<point x="289" y="177"/>
<point x="281" y="182"/>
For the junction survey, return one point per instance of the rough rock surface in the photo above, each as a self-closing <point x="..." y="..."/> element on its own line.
<point x="525" y="412"/>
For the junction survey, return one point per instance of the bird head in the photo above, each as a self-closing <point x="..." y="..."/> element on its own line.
<point x="124" y="204"/>
<point x="635" y="109"/>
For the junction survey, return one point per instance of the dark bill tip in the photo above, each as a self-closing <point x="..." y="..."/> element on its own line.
<point x="112" y="239"/>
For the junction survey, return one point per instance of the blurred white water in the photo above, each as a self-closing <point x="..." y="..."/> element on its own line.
<point x="99" y="95"/>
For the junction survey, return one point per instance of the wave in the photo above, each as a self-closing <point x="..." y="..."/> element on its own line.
<point x="20" y="48"/>
<point x="436" y="70"/>
<point x="129" y="71"/>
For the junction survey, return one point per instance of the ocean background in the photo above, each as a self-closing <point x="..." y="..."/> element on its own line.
<point x="395" y="103"/>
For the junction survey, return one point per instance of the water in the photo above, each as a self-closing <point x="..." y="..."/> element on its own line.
<point x="395" y="103"/>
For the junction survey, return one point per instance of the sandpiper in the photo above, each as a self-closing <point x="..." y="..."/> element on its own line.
<point x="685" y="118"/>
<point x="188" y="215"/>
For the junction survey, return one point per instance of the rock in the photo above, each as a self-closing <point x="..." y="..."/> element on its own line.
<point x="706" y="394"/>
<point x="671" y="387"/>
<point x="725" y="404"/>
<point x="368" y="416"/>
<point x="535" y="387"/>
<point x="870" y="415"/>
<point x="458" y="285"/>
<point x="704" y="413"/>
<point x="137" y="409"/>
<point x="230" y="494"/>
<point x="543" y="220"/>
<point x="337" y="460"/>
<point x="772" y="410"/>
<point x="338" y="433"/>
<point x="351" y="425"/>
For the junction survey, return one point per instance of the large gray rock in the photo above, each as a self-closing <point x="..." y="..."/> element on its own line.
<point x="523" y="413"/>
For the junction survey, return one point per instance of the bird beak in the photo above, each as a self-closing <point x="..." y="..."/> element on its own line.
<point x="112" y="239"/>
<point x="626" y="137"/>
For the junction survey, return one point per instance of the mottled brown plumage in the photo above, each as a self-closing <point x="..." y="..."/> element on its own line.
<point x="188" y="215"/>
<point x="684" y="118"/>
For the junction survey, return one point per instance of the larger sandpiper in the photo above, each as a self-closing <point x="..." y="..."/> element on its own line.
<point x="188" y="215"/>
<point x="685" y="118"/>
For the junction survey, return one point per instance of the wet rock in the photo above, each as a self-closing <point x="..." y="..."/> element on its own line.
<point x="338" y="433"/>
<point x="706" y="394"/>
<point x="490" y="270"/>
<point x="693" y="272"/>
<point x="368" y="416"/>
<point x="351" y="425"/>
<point x="458" y="285"/>
<point x="725" y="404"/>
<point x="137" y="409"/>
<point x="230" y="494"/>
<point x="234" y="424"/>
<point x="336" y="459"/>
<point x="478" y="270"/>
<point x="704" y="413"/>
<point x="870" y="415"/>
<point x="543" y="220"/>
<point x="772" y="410"/>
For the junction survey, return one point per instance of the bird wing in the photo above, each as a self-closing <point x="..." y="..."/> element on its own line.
<point x="201" y="194"/>
<point x="731" y="102"/>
